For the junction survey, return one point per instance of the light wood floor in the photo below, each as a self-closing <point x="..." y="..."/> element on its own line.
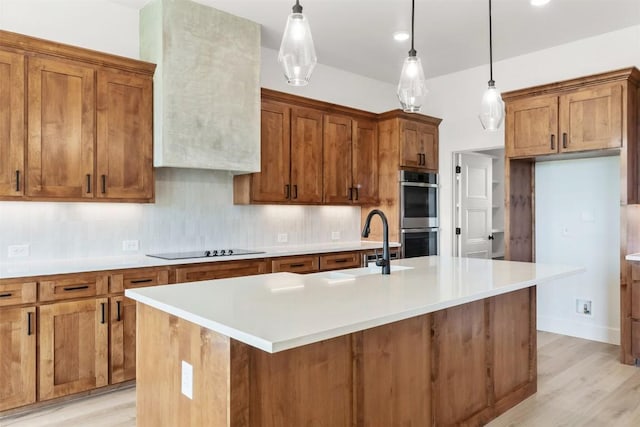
<point x="580" y="383"/>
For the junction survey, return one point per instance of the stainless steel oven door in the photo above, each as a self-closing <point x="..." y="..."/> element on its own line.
<point x="418" y="205"/>
<point x="419" y="242"/>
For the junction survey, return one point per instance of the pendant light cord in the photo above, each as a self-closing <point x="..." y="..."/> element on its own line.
<point x="412" y="52"/>
<point x="490" y="48"/>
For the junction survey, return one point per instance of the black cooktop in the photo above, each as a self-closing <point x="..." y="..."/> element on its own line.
<point x="205" y="254"/>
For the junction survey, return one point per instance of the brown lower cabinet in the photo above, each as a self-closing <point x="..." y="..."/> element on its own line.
<point x="73" y="347"/>
<point x="17" y="357"/>
<point x="72" y="333"/>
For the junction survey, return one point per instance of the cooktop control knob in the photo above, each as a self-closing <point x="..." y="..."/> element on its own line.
<point x="230" y="252"/>
<point x="214" y="253"/>
<point x="222" y="252"/>
<point x="207" y="253"/>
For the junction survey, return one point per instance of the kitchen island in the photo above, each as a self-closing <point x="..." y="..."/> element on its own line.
<point x="439" y="341"/>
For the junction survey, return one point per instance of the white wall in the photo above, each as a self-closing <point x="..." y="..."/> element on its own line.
<point x="193" y="209"/>
<point x="578" y="223"/>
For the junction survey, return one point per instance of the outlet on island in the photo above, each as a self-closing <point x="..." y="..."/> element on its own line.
<point x="335" y="235"/>
<point x="283" y="237"/>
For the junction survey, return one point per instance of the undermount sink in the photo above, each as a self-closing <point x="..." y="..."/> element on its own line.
<point x="334" y="277"/>
<point x="374" y="269"/>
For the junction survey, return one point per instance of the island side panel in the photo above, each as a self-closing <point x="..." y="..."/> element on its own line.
<point x="304" y="386"/>
<point x="163" y="342"/>
<point x="395" y="375"/>
<point x="461" y="365"/>
<point x="513" y="342"/>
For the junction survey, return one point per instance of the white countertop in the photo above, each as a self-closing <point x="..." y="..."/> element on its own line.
<point x="632" y="257"/>
<point x="275" y="312"/>
<point x="17" y="269"/>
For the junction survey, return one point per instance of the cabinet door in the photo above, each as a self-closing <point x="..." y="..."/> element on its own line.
<point x="591" y="119"/>
<point x="410" y="145"/>
<point x="429" y="143"/>
<point x="123" y="339"/>
<point x="124" y="136"/>
<point x="17" y="357"/>
<point x="337" y="185"/>
<point x="306" y="155"/>
<point x="365" y="162"/>
<point x="73" y="347"/>
<point x="272" y="184"/>
<point x="532" y="127"/>
<point x="60" y="146"/>
<point x="11" y="124"/>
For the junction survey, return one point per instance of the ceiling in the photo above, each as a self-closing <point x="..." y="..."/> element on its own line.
<point x="451" y="35"/>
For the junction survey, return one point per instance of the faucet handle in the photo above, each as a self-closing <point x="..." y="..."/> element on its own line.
<point x="381" y="262"/>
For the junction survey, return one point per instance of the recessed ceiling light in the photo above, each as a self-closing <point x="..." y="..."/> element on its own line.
<point x="539" y="2"/>
<point x="401" y="36"/>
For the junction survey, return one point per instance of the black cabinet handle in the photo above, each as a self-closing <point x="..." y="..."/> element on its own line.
<point x="490" y="236"/>
<point x="88" y="183"/>
<point x="300" y="264"/>
<point x="286" y="191"/>
<point x="341" y="260"/>
<point x="76" y="288"/>
<point x="142" y="281"/>
<point x="419" y="158"/>
<point x="564" y="140"/>
<point x="553" y="142"/>
<point x="28" y="323"/>
<point x="102" y="310"/>
<point x="350" y="193"/>
<point x="104" y="183"/>
<point x="295" y="191"/>
<point x="118" y="309"/>
<point x="17" y="180"/>
<point x="424" y="159"/>
<point x="5" y="295"/>
<point x="357" y="193"/>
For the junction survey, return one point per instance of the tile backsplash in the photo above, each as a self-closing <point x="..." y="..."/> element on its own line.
<point x="193" y="210"/>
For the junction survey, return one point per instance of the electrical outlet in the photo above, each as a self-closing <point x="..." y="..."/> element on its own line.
<point x="187" y="380"/>
<point x="583" y="306"/>
<point x="18" y="251"/>
<point x="335" y="235"/>
<point x="283" y="237"/>
<point x="130" y="245"/>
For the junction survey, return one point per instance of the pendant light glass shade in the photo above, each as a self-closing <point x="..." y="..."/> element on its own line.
<point x="297" y="54"/>
<point x="491" y="106"/>
<point x="412" y="88"/>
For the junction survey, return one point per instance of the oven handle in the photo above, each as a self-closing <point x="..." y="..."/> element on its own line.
<point x="419" y="230"/>
<point x="418" y="184"/>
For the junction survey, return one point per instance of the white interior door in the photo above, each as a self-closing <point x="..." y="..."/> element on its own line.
<point x="474" y="188"/>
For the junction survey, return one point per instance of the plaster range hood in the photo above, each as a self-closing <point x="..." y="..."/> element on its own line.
<point x="206" y="86"/>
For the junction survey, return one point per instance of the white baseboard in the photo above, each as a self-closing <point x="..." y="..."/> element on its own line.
<point x="578" y="329"/>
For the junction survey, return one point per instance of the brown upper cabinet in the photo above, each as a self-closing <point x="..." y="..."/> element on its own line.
<point x="291" y="156"/>
<point x="418" y="145"/>
<point x="350" y="160"/>
<point x="12" y="129"/>
<point x="89" y="123"/>
<point x="589" y="118"/>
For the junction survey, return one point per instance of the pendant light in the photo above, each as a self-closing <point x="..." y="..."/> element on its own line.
<point x="297" y="54"/>
<point x="491" y="107"/>
<point x="412" y="88"/>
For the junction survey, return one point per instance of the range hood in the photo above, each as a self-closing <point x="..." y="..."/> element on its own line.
<point x="206" y="86"/>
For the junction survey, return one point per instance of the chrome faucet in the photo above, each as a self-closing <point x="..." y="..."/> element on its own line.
<point x="385" y="262"/>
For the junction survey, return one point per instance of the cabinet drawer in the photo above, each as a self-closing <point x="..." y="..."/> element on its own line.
<point x="297" y="264"/>
<point x="220" y="270"/>
<point x="339" y="261"/>
<point x="137" y="279"/>
<point x="76" y="286"/>
<point x="17" y="293"/>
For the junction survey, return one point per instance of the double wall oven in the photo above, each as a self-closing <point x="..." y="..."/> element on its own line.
<point x="418" y="213"/>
